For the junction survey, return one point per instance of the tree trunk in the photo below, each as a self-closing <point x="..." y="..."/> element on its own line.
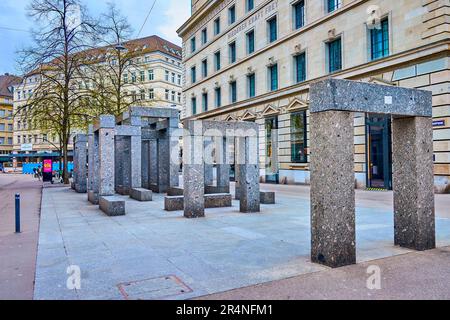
<point x="66" y="165"/>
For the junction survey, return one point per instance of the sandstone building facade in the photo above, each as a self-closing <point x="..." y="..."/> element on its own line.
<point x="254" y="60"/>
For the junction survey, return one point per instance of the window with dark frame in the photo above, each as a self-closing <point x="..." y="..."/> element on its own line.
<point x="299" y="137"/>
<point x="379" y="40"/>
<point x="334" y="55"/>
<point x="300" y="67"/>
<point x="299" y="14"/>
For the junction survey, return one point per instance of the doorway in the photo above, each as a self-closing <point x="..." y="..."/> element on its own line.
<point x="379" y="151"/>
<point x="271" y="128"/>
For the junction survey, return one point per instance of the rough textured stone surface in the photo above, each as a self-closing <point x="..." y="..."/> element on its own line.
<point x="112" y="206"/>
<point x="93" y="197"/>
<point x="175" y="191"/>
<point x="141" y="194"/>
<point x="248" y="174"/>
<point x="414" y="216"/>
<point x="80" y="163"/>
<point x="145" y="165"/>
<point x="120" y="155"/>
<point x="223" y="164"/>
<point x="217" y="189"/>
<point x="93" y="177"/>
<point x="267" y="197"/>
<point x="332" y="189"/>
<point x="123" y="190"/>
<point x="346" y="95"/>
<point x="173" y="203"/>
<point x="106" y="160"/>
<point x="218" y="200"/>
<point x="193" y="176"/>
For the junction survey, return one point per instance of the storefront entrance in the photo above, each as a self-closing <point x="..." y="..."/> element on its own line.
<point x="272" y="171"/>
<point x="379" y="152"/>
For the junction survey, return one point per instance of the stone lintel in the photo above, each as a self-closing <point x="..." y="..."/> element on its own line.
<point x="154" y="112"/>
<point x="105" y="122"/>
<point x="126" y="130"/>
<point x="80" y="138"/>
<point x="221" y="128"/>
<point x="354" y="96"/>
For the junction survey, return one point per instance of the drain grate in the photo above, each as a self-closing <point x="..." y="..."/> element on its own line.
<point x="154" y="288"/>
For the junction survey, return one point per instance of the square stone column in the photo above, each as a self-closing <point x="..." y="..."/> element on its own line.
<point x="174" y="153"/>
<point x="414" y="215"/>
<point x="237" y="191"/>
<point x="119" y="162"/>
<point x="223" y="163"/>
<point x="153" y="161"/>
<point x="106" y="135"/>
<point x="209" y="163"/>
<point x="135" y="162"/>
<point x="163" y="162"/>
<point x="193" y="171"/>
<point x="247" y="161"/>
<point x="332" y="189"/>
<point x="145" y="165"/>
<point x="79" y="161"/>
<point x="94" y="165"/>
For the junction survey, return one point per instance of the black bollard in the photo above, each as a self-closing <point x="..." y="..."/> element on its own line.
<point x="17" y="213"/>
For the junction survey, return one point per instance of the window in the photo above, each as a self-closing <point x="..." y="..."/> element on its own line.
<point x="204" y="36"/>
<point x="334" y="55"/>
<point x="233" y="92"/>
<point x="151" y="75"/>
<point x="251" y="42"/>
<point x="2" y="140"/>
<point x="125" y="78"/>
<point x="173" y="96"/>
<point x="273" y="77"/>
<point x="166" y="77"/>
<point x="193" y="75"/>
<point x="2" y="113"/>
<point x="142" y="75"/>
<point x="299" y="14"/>
<point x="193" y="45"/>
<point x="133" y="78"/>
<point x="194" y="105"/>
<point x="10" y="127"/>
<point x="272" y="29"/>
<point x="142" y="94"/>
<point x="204" y="68"/>
<point x="205" y="102"/>
<point x="216" y="26"/>
<point x="179" y="97"/>
<point x="249" y="5"/>
<point x="300" y="67"/>
<point x="232" y="15"/>
<point x="179" y="80"/>
<point x="2" y="127"/>
<point x="379" y="41"/>
<point x="218" y="92"/>
<point x="333" y="5"/>
<point x="167" y="94"/>
<point x="151" y="94"/>
<point x="173" y="77"/>
<point x="133" y="95"/>
<point x="298" y="137"/>
<point x="251" y="85"/>
<point x="19" y="140"/>
<point x="10" y="140"/>
<point x="232" y="49"/>
<point x="217" y="61"/>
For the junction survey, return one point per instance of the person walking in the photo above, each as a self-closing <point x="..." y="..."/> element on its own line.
<point x="39" y="173"/>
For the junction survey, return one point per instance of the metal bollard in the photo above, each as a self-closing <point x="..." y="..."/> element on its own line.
<point x="17" y="213"/>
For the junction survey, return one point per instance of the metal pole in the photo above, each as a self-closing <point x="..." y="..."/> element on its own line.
<point x="17" y="213"/>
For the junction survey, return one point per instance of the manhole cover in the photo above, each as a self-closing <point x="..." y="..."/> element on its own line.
<point x="154" y="289"/>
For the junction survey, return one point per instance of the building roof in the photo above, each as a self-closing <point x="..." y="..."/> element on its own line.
<point x="7" y="81"/>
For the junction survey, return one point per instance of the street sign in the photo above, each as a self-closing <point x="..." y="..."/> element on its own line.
<point x="26" y="147"/>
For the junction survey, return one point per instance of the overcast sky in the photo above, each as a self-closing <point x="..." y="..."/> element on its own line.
<point x="166" y="17"/>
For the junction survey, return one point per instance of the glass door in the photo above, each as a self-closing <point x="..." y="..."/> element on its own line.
<point x="379" y="152"/>
<point x="272" y="173"/>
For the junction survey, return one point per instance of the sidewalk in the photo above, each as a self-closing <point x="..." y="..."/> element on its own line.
<point x="18" y="251"/>
<point x="412" y="276"/>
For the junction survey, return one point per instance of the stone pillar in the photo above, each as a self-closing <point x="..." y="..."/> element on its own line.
<point x="237" y="191"/>
<point x="153" y="159"/>
<point x="332" y="189"/>
<point x="223" y="164"/>
<point x="174" y="153"/>
<point x="414" y="215"/>
<point x="79" y="161"/>
<point x="209" y="165"/>
<point x="247" y="161"/>
<point x="145" y="165"/>
<point x="119" y="162"/>
<point x="94" y="165"/>
<point x="163" y="162"/>
<point x="193" y="171"/>
<point x="106" y="156"/>
<point x="135" y="162"/>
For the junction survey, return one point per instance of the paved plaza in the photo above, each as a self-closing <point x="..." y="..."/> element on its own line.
<point x="153" y="254"/>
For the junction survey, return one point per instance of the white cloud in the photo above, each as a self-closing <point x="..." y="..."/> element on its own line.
<point x="175" y="14"/>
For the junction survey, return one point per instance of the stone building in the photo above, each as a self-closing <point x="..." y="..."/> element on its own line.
<point x="7" y="83"/>
<point x="154" y="78"/>
<point x="254" y="60"/>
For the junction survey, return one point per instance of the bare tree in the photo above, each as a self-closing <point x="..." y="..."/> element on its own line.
<point x="62" y="32"/>
<point x="114" y="76"/>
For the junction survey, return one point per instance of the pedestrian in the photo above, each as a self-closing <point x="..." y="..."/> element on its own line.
<point x="35" y="173"/>
<point x="39" y="173"/>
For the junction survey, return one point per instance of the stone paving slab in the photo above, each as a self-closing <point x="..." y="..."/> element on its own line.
<point x="223" y="251"/>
